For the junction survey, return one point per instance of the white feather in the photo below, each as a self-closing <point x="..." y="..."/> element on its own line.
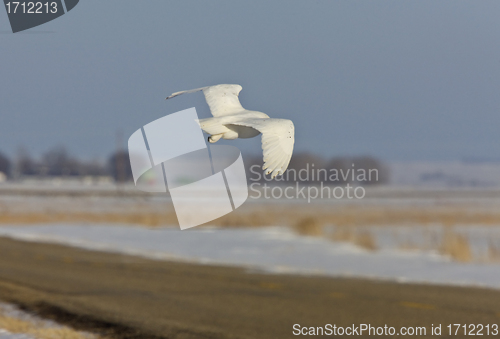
<point x="278" y="135"/>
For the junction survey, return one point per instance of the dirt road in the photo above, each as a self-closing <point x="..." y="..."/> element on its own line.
<point x="129" y="297"/>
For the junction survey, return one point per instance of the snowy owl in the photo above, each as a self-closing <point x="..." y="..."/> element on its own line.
<point x="232" y="121"/>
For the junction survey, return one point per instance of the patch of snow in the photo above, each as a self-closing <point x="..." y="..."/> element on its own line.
<point x="7" y="335"/>
<point x="275" y="250"/>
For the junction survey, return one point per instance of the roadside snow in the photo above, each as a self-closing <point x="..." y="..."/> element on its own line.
<point x="275" y="249"/>
<point x="7" y="335"/>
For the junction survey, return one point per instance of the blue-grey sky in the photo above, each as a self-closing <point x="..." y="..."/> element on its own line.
<point x="399" y="80"/>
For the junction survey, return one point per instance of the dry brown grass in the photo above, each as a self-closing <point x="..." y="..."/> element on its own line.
<point x="259" y="215"/>
<point x="146" y="219"/>
<point x="456" y="246"/>
<point x="408" y="245"/>
<point x="493" y="252"/>
<point x="344" y="234"/>
<point x="431" y="241"/>
<point x="366" y="240"/>
<point x="411" y="215"/>
<point x="361" y="238"/>
<point x="309" y="226"/>
<point x="358" y="216"/>
<point x="39" y="330"/>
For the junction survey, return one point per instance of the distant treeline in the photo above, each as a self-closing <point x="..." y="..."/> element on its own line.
<point x="59" y="163"/>
<point x="304" y="167"/>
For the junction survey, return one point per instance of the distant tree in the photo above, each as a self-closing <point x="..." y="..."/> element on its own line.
<point x="306" y="160"/>
<point x="93" y="168"/>
<point x="57" y="162"/>
<point x="5" y="165"/>
<point x="379" y="171"/>
<point x="337" y="169"/>
<point x="364" y="170"/>
<point x="119" y="166"/>
<point x="307" y="168"/>
<point x="25" y="165"/>
<point x="311" y="169"/>
<point x="253" y="165"/>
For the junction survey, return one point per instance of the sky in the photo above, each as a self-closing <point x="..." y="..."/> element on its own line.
<point x="398" y="80"/>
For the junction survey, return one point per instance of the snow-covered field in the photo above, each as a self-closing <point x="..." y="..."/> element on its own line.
<point x="7" y="335"/>
<point x="274" y="249"/>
